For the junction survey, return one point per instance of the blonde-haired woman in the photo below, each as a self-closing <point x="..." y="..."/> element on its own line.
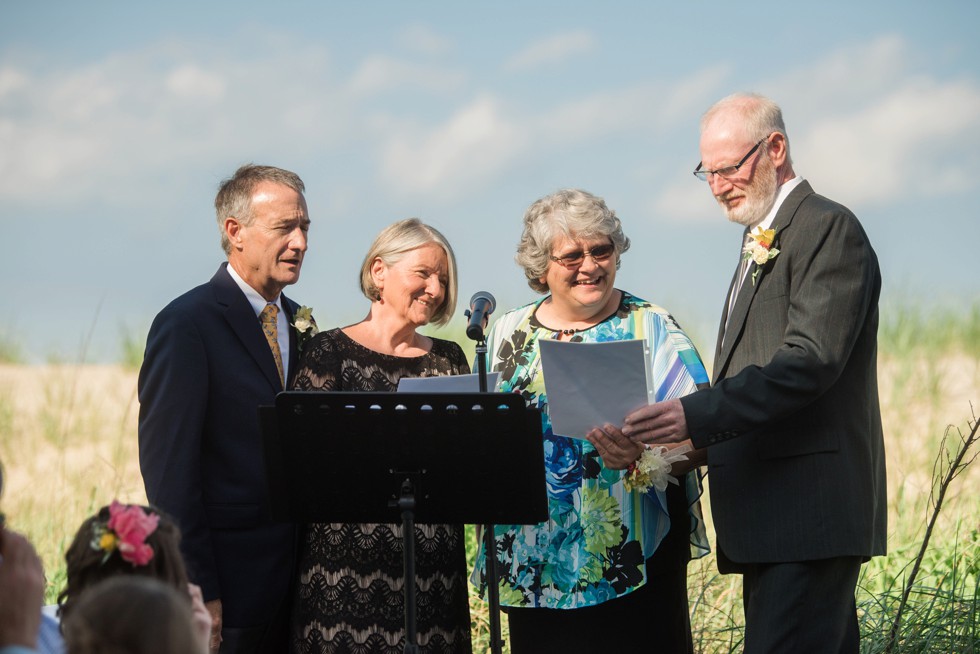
<point x="349" y="595"/>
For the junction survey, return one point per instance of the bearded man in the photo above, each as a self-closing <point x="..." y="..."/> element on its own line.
<point x="791" y="424"/>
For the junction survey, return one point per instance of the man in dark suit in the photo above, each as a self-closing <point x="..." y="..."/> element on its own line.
<point x="791" y="423"/>
<point x="213" y="356"/>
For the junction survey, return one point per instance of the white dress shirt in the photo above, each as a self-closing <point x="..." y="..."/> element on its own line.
<point x="258" y="304"/>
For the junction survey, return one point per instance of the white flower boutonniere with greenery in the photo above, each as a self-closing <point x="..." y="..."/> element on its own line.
<point x="759" y="249"/>
<point x="305" y="326"/>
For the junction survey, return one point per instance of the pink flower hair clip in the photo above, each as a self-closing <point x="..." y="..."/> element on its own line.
<point x="126" y="531"/>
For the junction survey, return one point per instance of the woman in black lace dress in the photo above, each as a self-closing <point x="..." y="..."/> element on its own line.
<point x="349" y="595"/>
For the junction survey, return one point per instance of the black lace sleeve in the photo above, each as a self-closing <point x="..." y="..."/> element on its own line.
<point x="450" y="356"/>
<point x="319" y="369"/>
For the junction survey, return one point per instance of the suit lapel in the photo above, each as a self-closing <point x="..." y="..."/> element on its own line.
<point x="724" y="311"/>
<point x="727" y="338"/>
<point x="241" y="318"/>
<point x="290" y="308"/>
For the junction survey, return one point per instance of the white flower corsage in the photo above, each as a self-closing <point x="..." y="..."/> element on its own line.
<point x="305" y="326"/>
<point x="652" y="469"/>
<point x="759" y="249"/>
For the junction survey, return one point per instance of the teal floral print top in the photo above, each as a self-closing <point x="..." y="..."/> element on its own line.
<point x="598" y="535"/>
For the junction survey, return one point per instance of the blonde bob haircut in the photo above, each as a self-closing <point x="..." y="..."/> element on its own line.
<point x="572" y="213"/>
<point x="393" y="243"/>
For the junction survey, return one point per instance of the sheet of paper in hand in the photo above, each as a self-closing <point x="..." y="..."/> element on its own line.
<point x="591" y="384"/>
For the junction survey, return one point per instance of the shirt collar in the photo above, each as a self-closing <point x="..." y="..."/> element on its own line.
<point x="254" y="298"/>
<point x="784" y="190"/>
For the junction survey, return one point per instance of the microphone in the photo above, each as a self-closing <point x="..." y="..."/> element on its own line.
<point x="482" y="305"/>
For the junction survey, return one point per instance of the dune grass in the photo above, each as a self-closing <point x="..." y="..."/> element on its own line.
<point x="68" y="444"/>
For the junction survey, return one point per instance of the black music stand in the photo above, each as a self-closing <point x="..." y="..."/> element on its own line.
<point x="413" y="457"/>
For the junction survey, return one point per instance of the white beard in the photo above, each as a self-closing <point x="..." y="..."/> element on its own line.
<point x="759" y="196"/>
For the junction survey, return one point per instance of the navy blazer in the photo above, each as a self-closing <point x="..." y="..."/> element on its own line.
<point x="206" y="370"/>
<point x="796" y="455"/>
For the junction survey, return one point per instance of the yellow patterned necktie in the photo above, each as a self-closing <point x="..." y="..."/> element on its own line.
<point x="270" y="327"/>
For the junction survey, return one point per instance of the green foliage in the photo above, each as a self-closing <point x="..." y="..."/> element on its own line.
<point x="10" y="350"/>
<point x="479" y="608"/>
<point x="454" y="331"/>
<point x="907" y="329"/>
<point x="941" y="614"/>
<point x="6" y="417"/>
<point x="131" y="348"/>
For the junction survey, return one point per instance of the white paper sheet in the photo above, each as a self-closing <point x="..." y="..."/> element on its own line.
<point x="447" y="383"/>
<point x="591" y="384"/>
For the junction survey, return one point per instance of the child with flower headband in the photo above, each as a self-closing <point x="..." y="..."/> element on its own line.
<point x="122" y="539"/>
<point x="128" y="539"/>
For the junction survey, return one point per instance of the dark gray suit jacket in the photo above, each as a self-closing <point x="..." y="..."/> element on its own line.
<point x="796" y="456"/>
<point x="207" y="369"/>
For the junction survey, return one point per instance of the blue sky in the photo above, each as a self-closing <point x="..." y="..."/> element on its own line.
<point x="119" y="119"/>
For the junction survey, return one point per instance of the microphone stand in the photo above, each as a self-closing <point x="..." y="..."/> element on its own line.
<point x="489" y="542"/>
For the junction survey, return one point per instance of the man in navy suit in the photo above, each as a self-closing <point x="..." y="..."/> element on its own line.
<point x="211" y="359"/>
<point x="791" y="423"/>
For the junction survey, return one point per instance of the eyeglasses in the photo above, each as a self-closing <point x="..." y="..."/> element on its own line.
<point x="575" y="259"/>
<point x="728" y="171"/>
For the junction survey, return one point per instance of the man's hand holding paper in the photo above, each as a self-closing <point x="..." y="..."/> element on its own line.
<point x="657" y="424"/>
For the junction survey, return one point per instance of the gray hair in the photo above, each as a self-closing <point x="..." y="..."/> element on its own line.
<point x="393" y="243"/>
<point x="571" y="213"/>
<point x="234" y="197"/>
<point x="759" y="116"/>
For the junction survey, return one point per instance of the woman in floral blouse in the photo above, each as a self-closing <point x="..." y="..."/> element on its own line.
<point x="608" y="569"/>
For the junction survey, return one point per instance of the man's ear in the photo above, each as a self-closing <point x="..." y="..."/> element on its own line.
<point x="233" y="230"/>
<point x="777" y="149"/>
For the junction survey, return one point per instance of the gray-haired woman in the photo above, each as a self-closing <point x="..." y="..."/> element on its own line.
<point x="607" y="570"/>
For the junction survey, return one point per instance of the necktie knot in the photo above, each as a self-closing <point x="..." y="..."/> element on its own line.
<point x="270" y="327"/>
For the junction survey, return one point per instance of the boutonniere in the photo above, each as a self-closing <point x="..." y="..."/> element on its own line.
<point x="305" y="326"/>
<point x="759" y="249"/>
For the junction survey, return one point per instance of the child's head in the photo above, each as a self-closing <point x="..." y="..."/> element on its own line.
<point x="132" y="615"/>
<point x="123" y="539"/>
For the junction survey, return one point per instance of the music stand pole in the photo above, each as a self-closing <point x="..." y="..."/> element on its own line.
<point x="406" y="503"/>
<point x="489" y="542"/>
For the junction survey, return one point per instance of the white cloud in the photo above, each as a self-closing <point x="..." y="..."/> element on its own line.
<point x="850" y="74"/>
<point x="11" y="80"/>
<point x="918" y="140"/>
<point x="419" y="37"/>
<point x="110" y="130"/>
<point x="113" y="128"/>
<point x="192" y="82"/>
<point x="868" y="128"/>
<point x="638" y="109"/>
<point x="383" y="73"/>
<point x="555" y="49"/>
<point x="874" y="125"/>
<point x="476" y="142"/>
<point x="685" y="199"/>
